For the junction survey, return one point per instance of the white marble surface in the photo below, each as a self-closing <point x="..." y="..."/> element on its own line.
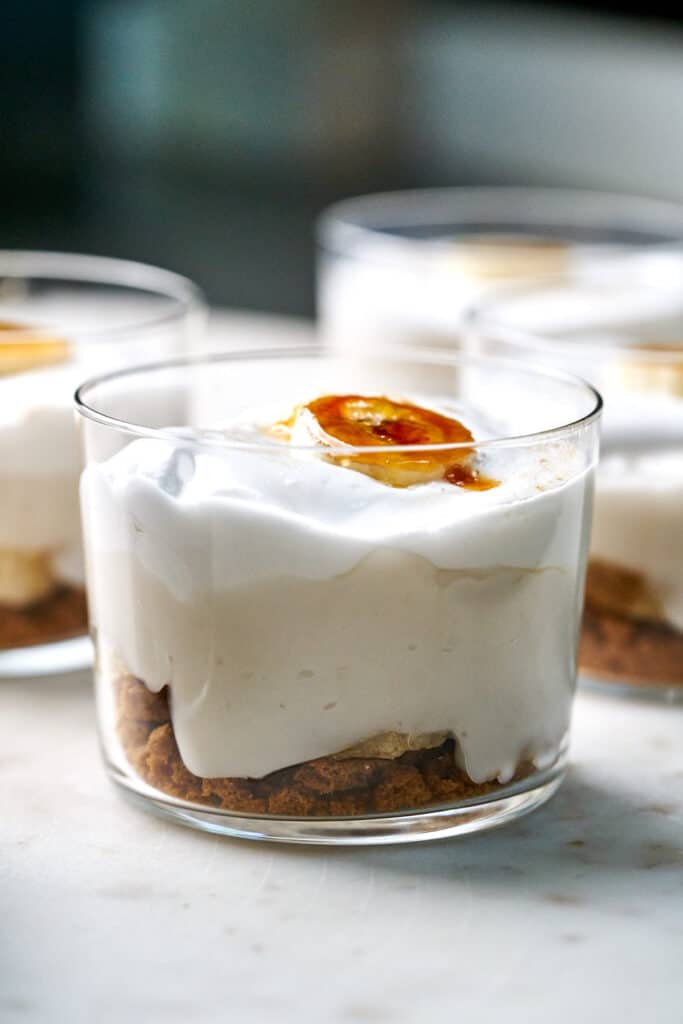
<point x="107" y="915"/>
<point x="573" y="914"/>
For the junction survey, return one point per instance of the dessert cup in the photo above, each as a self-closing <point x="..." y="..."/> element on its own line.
<point x="62" y="318"/>
<point x="405" y="266"/>
<point x="330" y="609"/>
<point x="621" y="327"/>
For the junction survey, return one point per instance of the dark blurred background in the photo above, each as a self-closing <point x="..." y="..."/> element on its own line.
<point x="206" y="135"/>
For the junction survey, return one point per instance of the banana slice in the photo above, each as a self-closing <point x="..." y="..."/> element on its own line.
<point x="365" y="421"/>
<point x="509" y="257"/>
<point x="21" y="350"/>
<point x="663" y="376"/>
<point x="390" y="745"/>
<point x="25" y="577"/>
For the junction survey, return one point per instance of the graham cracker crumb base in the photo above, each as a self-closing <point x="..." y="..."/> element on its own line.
<point x="61" y="616"/>
<point x="628" y="650"/>
<point x="324" y="787"/>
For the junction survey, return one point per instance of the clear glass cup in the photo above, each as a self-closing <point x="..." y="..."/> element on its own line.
<point x="63" y="317"/>
<point x="337" y="599"/>
<point x="621" y="327"/>
<point x="405" y="266"/>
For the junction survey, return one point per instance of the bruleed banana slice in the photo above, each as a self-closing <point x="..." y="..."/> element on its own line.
<point x="363" y="421"/>
<point x="21" y="349"/>
<point x="509" y="257"/>
<point x="663" y="374"/>
<point x="25" y="577"/>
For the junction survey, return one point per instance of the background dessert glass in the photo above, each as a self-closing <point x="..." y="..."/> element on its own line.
<point x="404" y="266"/>
<point x="621" y="327"/>
<point x="291" y="648"/>
<point x="63" y="317"/>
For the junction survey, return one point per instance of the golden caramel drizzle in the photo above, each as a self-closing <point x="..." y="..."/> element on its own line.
<point x="370" y="421"/>
<point x="28" y="351"/>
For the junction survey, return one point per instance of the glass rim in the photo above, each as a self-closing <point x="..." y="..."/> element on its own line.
<point x="480" y="318"/>
<point x="208" y="439"/>
<point x="83" y="268"/>
<point x="337" y="229"/>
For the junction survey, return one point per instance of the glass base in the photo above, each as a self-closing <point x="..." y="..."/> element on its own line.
<point x="47" y="659"/>
<point x="663" y="693"/>
<point x="507" y="804"/>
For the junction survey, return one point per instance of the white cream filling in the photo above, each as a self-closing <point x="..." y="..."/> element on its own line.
<point x="638" y="521"/>
<point x="297" y="608"/>
<point x="399" y="292"/>
<point x="40" y="451"/>
<point x="638" y="510"/>
<point x="40" y="463"/>
<point x="394" y="290"/>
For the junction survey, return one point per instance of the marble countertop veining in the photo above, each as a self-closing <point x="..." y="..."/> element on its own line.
<point x="574" y="913"/>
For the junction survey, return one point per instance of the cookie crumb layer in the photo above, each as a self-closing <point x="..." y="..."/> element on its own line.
<point x="629" y="650"/>
<point x="61" y="616"/>
<point x="327" y="786"/>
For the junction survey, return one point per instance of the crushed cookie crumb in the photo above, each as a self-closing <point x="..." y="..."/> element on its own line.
<point x="61" y="616"/>
<point x="338" y="785"/>
<point x="629" y="650"/>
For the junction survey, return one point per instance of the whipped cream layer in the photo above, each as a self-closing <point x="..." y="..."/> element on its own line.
<point x="297" y="608"/>
<point x="638" y="508"/>
<point x="638" y="521"/>
<point x="40" y="463"/>
<point x="40" y="452"/>
<point x="397" y="290"/>
<point x="38" y="436"/>
<point x="600" y="329"/>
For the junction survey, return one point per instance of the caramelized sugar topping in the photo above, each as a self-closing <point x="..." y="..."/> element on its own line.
<point x="369" y="421"/>
<point x="21" y="349"/>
